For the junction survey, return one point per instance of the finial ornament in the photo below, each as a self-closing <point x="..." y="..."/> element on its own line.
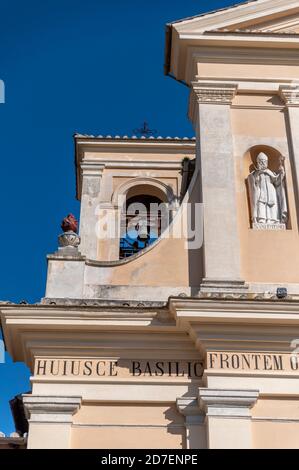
<point x="70" y="223"/>
<point x="145" y="131"/>
<point x="70" y="238"/>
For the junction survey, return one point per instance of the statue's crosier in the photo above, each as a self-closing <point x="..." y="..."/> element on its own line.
<point x="268" y="195"/>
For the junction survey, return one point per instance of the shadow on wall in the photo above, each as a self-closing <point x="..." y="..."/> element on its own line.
<point x="195" y="254"/>
<point x="176" y="424"/>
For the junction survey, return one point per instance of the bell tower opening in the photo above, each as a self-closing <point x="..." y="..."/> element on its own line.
<point x="141" y="220"/>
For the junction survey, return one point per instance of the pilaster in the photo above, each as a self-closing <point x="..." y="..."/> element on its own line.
<point x="290" y="97"/>
<point x="90" y="199"/>
<point x="50" y="420"/>
<point x="228" y="417"/>
<point x="194" y="422"/>
<point x="215" y="157"/>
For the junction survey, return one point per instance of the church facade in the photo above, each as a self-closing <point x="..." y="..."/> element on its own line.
<point x="171" y="312"/>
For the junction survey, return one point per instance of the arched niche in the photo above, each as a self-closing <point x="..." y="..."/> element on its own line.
<point x="251" y="155"/>
<point x="274" y="162"/>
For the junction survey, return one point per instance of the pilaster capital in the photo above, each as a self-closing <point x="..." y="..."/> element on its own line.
<point x="189" y="407"/>
<point x="214" y="93"/>
<point x="227" y="403"/>
<point x="92" y="168"/>
<point x="51" y="409"/>
<point x="289" y="95"/>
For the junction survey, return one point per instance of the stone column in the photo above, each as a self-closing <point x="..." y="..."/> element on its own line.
<point x="194" y="423"/>
<point x="90" y="200"/>
<point x="50" y="420"/>
<point x="290" y="96"/>
<point x="228" y="417"/>
<point x="218" y="185"/>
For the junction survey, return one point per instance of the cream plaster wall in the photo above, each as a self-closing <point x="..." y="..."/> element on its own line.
<point x="180" y="267"/>
<point x="275" y="423"/>
<point x="132" y="426"/>
<point x="127" y="438"/>
<point x="266" y="256"/>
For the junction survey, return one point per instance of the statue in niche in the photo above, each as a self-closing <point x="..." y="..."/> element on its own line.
<point x="268" y="195"/>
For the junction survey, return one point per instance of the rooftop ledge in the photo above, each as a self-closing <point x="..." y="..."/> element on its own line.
<point x="133" y="138"/>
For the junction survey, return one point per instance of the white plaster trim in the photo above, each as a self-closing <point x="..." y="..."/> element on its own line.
<point x="132" y="164"/>
<point x="142" y="426"/>
<point x="137" y="381"/>
<point x="189" y="407"/>
<point x="262" y="39"/>
<point x="92" y="168"/>
<point x="275" y="420"/>
<point x="256" y="373"/>
<point x="179" y="145"/>
<point x="51" y="409"/>
<point x="265" y="108"/>
<point x="227" y="403"/>
<point x="253" y="56"/>
<point x="290" y="95"/>
<point x="235" y="14"/>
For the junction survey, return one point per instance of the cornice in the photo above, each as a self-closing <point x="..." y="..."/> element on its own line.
<point x="102" y="145"/>
<point x="92" y="168"/>
<point x="189" y="408"/>
<point x="112" y="143"/>
<point x="241" y="39"/>
<point x="242" y="308"/>
<point x="214" y="93"/>
<point x="253" y="12"/>
<point x="290" y="95"/>
<point x="227" y="403"/>
<point x="51" y="408"/>
<point x="241" y="47"/>
<point x="28" y="331"/>
<point x="250" y="55"/>
<point x="98" y="166"/>
<point x="240" y="325"/>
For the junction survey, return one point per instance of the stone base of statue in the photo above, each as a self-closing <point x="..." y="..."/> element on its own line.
<point x="260" y="226"/>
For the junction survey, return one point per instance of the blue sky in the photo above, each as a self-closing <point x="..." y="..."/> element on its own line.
<point x="69" y="66"/>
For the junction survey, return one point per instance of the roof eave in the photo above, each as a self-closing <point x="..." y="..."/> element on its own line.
<point x="167" y="54"/>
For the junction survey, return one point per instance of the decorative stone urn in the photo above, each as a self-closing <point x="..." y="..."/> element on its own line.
<point x="69" y="238"/>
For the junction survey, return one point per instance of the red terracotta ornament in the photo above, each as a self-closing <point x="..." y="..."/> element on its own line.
<point x="69" y="223"/>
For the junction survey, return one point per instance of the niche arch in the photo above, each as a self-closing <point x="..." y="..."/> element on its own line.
<point x="274" y="162"/>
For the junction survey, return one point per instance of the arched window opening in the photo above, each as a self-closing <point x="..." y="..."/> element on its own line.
<point x="141" y="223"/>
